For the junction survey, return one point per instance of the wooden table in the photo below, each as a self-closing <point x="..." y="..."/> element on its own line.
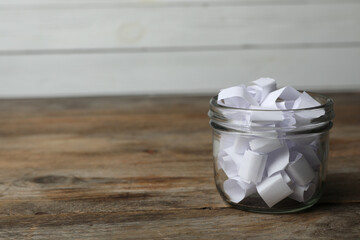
<point x="141" y="168"/>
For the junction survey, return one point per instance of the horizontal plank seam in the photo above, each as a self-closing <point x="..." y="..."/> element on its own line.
<point x="285" y="46"/>
<point x="58" y="6"/>
<point x="206" y="208"/>
<point x="205" y="95"/>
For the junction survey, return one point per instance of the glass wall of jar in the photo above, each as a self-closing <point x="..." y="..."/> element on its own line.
<point x="271" y="161"/>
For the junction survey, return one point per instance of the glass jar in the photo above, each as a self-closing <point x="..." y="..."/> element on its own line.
<point x="271" y="161"/>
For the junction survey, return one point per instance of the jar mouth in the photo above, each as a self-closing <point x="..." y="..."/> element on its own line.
<point x="325" y="102"/>
<point x="302" y="120"/>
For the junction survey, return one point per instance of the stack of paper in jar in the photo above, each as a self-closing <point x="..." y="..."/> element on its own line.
<point x="275" y="167"/>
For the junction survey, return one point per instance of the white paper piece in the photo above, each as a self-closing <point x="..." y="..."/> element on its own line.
<point x="237" y="190"/>
<point x="303" y="193"/>
<point x="286" y="178"/>
<point x="226" y="140"/>
<point x="239" y="146"/>
<point x="237" y="97"/>
<point x="281" y="105"/>
<point x="316" y="143"/>
<point x="239" y="118"/>
<point x="309" y="192"/>
<point x="256" y="92"/>
<point x="300" y="170"/>
<point x="277" y="160"/>
<point x="285" y="93"/>
<point x="274" y="189"/>
<point x="265" y="145"/>
<point x="228" y="165"/>
<point x="269" y="133"/>
<point x="237" y="159"/>
<point x="219" y="144"/>
<point x="252" y="166"/>
<point x="267" y="85"/>
<point x="310" y="155"/>
<point x="289" y="121"/>
<point x="221" y="161"/>
<point x="265" y="115"/>
<point x="304" y="117"/>
<point x="305" y="101"/>
<point x="285" y="105"/>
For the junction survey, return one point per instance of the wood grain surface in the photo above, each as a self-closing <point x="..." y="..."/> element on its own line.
<point x="141" y="168"/>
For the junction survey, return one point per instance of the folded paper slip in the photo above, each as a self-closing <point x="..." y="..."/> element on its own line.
<point x="237" y="189"/>
<point x="274" y="189"/>
<point x="252" y="166"/>
<point x="300" y="170"/>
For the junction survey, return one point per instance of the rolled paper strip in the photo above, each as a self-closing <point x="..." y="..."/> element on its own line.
<point x="267" y="85"/>
<point x="265" y="145"/>
<point x="216" y="147"/>
<point x="289" y="104"/>
<point x="306" y="116"/>
<point x="265" y="116"/>
<point x="228" y="165"/>
<point x="226" y="140"/>
<point x="285" y="104"/>
<point x="239" y="118"/>
<point x="310" y="155"/>
<point x="221" y="162"/>
<point x="290" y="143"/>
<point x="317" y="147"/>
<point x="256" y="92"/>
<point x="309" y="192"/>
<point x="239" y="146"/>
<point x="286" y="177"/>
<point x="285" y="93"/>
<point x="300" y="170"/>
<point x="303" y="193"/>
<point x="281" y="105"/>
<point x="237" y="159"/>
<point x="252" y="166"/>
<point x="287" y="122"/>
<point x="270" y="133"/>
<point x="305" y="101"/>
<point x="237" y="97"/>
<point x="274" y="189"/>
<point x="237" y="189"/>
<point x="316" y="143"/>
<point x="277" y="160"/>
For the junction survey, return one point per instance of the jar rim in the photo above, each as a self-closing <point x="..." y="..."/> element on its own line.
<point x="327" y="102"/>
<point x="241" y="119"/>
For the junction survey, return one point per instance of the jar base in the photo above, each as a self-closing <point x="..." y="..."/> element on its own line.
<point x="286" y="206"/>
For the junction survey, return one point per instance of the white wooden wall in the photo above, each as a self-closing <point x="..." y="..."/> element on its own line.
<point x="99" y="47"/>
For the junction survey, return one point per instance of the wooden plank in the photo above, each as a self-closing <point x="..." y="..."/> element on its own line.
<point x="120" y="27"/>
<point x="118" y="73"/>
<point x="141" y="168"/>
<point x="323" y="222"/>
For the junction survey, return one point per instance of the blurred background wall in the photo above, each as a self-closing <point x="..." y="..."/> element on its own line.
<point x="107" y="47"/>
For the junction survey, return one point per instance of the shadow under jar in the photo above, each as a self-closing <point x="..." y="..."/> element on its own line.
<point x="271" y="161"/>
